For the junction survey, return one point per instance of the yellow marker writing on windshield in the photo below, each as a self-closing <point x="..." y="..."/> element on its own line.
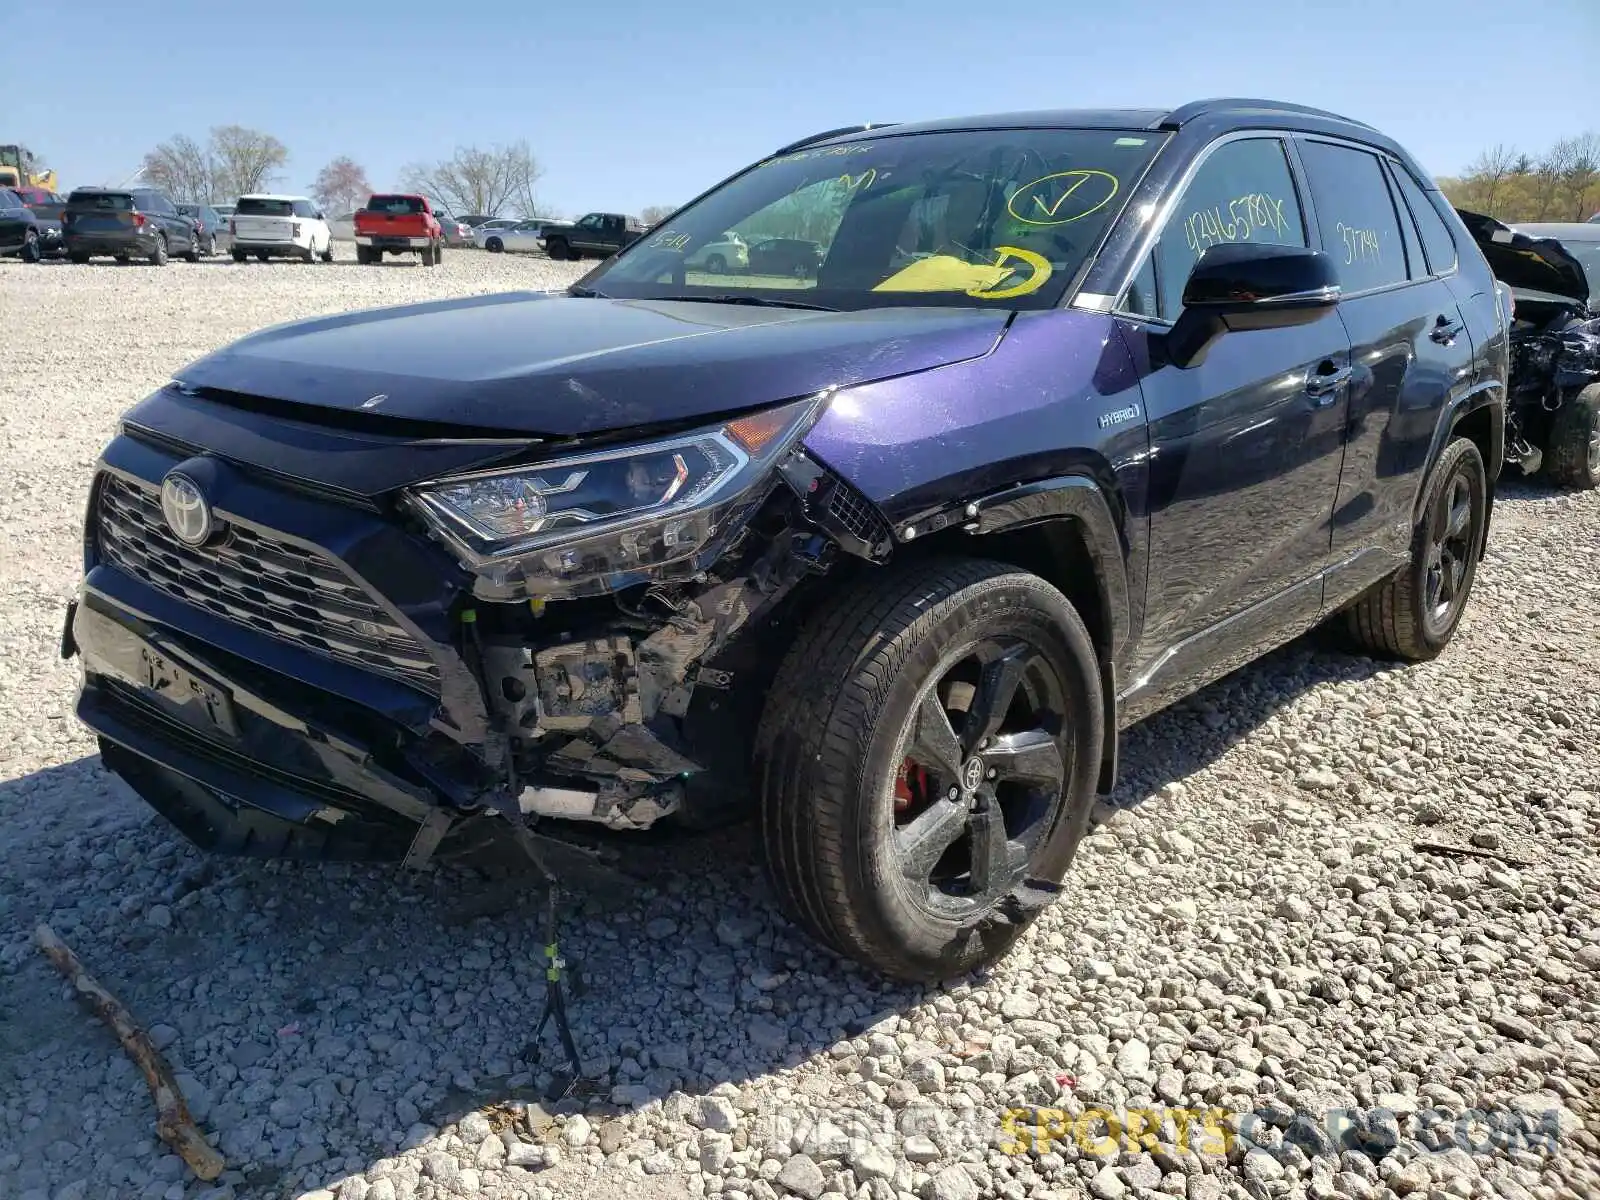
<point x="1041" y="272"/>
<point x="1063" y="197"/>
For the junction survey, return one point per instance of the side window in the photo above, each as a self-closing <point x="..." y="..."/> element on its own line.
<point x="1243" y="192"/>
<point x="1416" y="265"/>
<point x="1355" y="215"/>
<point x="1437" y="243"/>
<point x="304" y="208"/>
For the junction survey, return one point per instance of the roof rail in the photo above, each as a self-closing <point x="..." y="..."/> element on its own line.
<point x="825" y="135"/>
<point x="1200" y="108"/>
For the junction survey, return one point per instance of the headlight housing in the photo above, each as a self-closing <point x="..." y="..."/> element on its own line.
<point x="596" y="523"/>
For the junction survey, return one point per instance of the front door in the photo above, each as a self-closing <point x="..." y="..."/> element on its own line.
<point x="1412" y="352"/>
<point x="1245" y="447"/>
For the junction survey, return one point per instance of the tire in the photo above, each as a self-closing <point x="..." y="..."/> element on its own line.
<point x="426" y="254"/>
<point x="327" y="251"/>
<point x="1412" y="615"/>
<point x="494" y="246"/>
<point x="1572" y="455"/>
<point x="262" y="256"/>
<point x="211" y="246"/>
<point x="716" y="264"/>
<point x="238" y="256"/>
<point x="192" y="254"/>
<point x="309" y="254"/>
<point x="77" y="257"/>
<point x="831" y="756"/>
<point x="557" y="249"/>
<point x="30" y="252"/>
<point x="438" y="254"/>
<point x="158" y="256"/>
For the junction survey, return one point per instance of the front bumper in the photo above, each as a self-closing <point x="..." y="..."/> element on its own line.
<point x="393" y="243"/>
<point x="245" y="731"/>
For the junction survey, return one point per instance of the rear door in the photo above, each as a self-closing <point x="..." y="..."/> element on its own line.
<point x="1410" y="350"/>
<point x="98" y="214"/>
<point x="261" y="220"/>
<point x="178" y="228"/>
<point x="1245" y="447"/>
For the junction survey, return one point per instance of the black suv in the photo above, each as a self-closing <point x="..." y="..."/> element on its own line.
<point x="126" y="224"/>
<point x="1077" y="412"/>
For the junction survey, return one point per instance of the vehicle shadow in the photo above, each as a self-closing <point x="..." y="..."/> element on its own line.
<point x="415" y="997"/>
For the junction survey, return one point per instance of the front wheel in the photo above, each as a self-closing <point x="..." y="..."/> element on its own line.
<point x="30" y="252"/>
<point x="494" y="245"/>
<point x="1572" y="457"/>
<point x="927" y="765"/>
<point x="1412" y="615"/>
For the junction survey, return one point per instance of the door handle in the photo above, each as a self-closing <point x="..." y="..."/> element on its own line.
<point x="1445" y="330"/>
<point x="1323" y="386"/>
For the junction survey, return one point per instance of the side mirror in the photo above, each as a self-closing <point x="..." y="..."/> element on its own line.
<point x="1239" y="286"/>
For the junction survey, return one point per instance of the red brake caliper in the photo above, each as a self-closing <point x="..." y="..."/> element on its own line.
<point x="910" y="786"/>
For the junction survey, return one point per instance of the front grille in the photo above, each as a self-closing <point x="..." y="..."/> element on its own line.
<point x="295" y="595"/>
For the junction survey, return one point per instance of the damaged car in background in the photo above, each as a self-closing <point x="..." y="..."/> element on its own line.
<point x="1553" y="410"/>
<point x="885" y="553"/>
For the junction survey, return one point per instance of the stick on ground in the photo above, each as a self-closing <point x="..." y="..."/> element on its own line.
<point x="174" y="1125"/>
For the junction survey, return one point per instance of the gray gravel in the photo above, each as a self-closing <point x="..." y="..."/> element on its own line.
<point x="1250" y="928"/>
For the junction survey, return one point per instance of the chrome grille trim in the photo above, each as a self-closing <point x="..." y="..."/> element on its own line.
<point x="295" y="595"/>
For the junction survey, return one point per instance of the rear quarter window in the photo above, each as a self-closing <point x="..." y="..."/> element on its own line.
<point x="1437" y="244"/>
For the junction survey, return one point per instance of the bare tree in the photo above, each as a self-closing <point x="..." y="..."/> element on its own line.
<point x="184" y="169"/>
<point x="246" y="159"/>
<point x="1581" y="178"/>
<point x="1548" y="172"/>
<point x="478" y="180"/>
<point x="656" y="213"/>
<point x="1488" y="171"/>
<point x="341" y="185"/>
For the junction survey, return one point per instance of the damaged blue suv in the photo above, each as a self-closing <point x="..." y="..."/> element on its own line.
<point x="1002" y="434"/>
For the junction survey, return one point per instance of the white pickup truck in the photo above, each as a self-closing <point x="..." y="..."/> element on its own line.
<point x="269" y="226"/>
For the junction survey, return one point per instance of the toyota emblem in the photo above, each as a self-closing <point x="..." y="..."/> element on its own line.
<point x="185" y="508"/>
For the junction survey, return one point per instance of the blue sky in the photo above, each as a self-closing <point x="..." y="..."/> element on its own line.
<point x="628" y="104"/>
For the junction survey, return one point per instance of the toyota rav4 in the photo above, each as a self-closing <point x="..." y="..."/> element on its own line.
<point x="1077" y="412"/>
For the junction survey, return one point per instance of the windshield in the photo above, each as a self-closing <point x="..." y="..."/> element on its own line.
<point x="1587" y="253"/>
<point x="1001" y="217"/>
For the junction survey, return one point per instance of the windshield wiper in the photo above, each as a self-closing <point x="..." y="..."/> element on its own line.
<point x="756" y="301"/>
<point x="587" y="293"/>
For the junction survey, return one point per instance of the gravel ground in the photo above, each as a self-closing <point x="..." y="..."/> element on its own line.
<point x="1251" y="930"/>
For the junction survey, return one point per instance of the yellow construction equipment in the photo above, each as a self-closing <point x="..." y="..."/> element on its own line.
<point x="19" y="168"/>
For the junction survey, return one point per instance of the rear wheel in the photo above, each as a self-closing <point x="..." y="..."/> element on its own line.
<point x="192" y="254"/>
<point x="309" y="254"/>
<point x="78" y="257"/>
<point x="158" y="256"/>
<point x="262" y="256"/>
<point x="927" y="765"/>
<point x="1572" y="457"/>
<point x="211" y="244"/>
<point x="716" y="264"/>
<point x="438" y="252"/>
<point x="238" y="256"/>
<point x="327" y="251"/>
<point x="426" y="254"/>
<point x="556" y="248"/>
<point x="1413" y="614"/>
<point x="494" y="245"/>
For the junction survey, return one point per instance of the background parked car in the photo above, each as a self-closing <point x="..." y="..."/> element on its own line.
<point x="785" y="256"/>
<point x="214" y="233"/>
<point x="225" y="211"/>
<point x="342" y="228"/>
<point x="19" y="228"/>
<point x="49" y="214"/>
<point x="126" y="223"/>
<point x="482" y="230"/>
<point x="455" y="233"/>
<point x="730" y="253"/>
<point x="520" y="235"/>
<point x="32" y="195"/>
<point x="271" y="226"/>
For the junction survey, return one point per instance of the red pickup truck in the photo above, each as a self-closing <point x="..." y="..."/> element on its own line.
<point x="398" y="224"/>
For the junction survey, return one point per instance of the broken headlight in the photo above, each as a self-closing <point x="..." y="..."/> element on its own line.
<point x="595" y="523"/>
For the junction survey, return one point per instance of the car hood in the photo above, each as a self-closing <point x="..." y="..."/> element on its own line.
<point x="564" y="366"/>
<point x="1531" y="264"/>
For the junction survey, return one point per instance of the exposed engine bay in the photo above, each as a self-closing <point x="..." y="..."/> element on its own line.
<point x="1555" y="353"/>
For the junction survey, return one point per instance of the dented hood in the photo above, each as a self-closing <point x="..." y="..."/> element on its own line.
<point x="562" y="365"/>
<point x="1531" y="264"/>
